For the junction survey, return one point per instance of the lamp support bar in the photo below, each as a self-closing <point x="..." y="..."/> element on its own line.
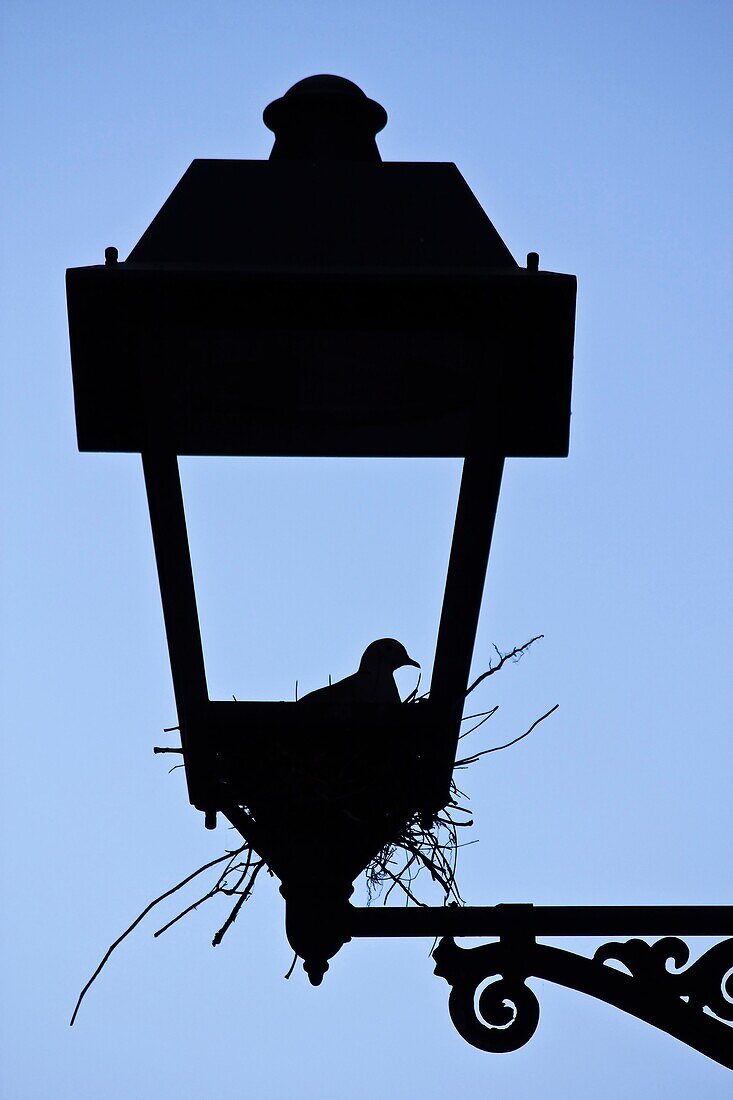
<point x="477" y="503"/>
<point x="178" y="596"/>
<point x="493" y="1008"/>
<point x="431" y="921"/>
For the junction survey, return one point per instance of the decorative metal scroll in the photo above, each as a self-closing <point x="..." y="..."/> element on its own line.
<point x="494" y="1009"/>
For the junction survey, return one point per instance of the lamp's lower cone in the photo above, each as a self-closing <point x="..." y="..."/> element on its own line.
<point x="317" y="868"/>
<point x="316" y="924"/>
<point x="323" y="805"/>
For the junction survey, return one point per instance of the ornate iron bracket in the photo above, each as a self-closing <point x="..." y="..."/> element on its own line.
<point x="494" y="1009"/>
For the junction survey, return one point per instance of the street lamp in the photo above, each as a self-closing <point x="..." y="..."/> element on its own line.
<point x="324" y="303"/>
<point x="321" y="303"/>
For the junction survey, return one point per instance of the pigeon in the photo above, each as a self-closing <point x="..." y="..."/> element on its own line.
<point x="373" y="682"/>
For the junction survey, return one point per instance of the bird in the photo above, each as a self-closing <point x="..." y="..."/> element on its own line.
<point x="373" y="681"/>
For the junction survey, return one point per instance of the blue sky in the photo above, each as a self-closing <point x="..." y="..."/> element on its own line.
<point x="597" y="135"/>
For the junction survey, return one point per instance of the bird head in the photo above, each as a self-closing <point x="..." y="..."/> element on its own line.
<point x="386" y="653"/>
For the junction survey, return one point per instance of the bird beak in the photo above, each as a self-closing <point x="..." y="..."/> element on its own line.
<point x="410" y="661"/>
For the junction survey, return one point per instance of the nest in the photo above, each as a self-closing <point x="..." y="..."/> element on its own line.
<point x="404" y="847"/>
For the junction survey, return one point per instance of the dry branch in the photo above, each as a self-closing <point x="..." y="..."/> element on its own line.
<point x="146" y="910"/>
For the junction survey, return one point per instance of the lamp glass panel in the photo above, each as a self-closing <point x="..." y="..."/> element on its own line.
<point x="300" y="563"/>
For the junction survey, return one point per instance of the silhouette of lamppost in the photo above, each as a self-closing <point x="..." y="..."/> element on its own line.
<point x="326" y="303"/>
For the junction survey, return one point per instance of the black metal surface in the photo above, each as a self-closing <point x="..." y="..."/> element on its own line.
<point x="492" y="1007"/>
<point x="178" y="596"/>
<point x="543" y="920"/>
<point x="326" y="117"/>
<point x="315" y="216"/>
<point x="505" y="1014"/>
<point x="477" y="503"/>
<point x="358" y="763"/>
<point x="316" y="363"/>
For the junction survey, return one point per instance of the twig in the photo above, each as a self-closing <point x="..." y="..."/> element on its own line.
<point x="478" y="714"/>
<point x="413" y="694"/>
<point x="240" y="902"/>
<point x="146" y="910"/>
<point x="404" y="871"/>
<point x="398" y="882"/>
<point x="218" y="888"/>
<point x="515" y="654"/>
<point x="488" y="714"/>
<point x="292" y="966"/>
<point x="186" y="911"/>
<point x="497" y="748"/>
